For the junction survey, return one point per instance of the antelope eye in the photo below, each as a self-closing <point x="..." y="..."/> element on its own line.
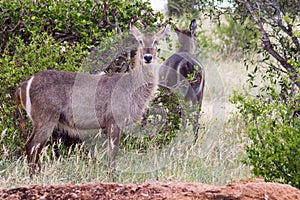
<point x="141" y="42"/>
<point x="155" y="42"/>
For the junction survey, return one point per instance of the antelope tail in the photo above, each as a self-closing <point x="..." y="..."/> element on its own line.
<point x="19" y="112"/>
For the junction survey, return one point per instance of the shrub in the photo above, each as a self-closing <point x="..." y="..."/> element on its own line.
<point x="233" y="36"/>
<point x="88" y="22"/>
<point x="180" y="7"/>
<point x="273" y="128"/>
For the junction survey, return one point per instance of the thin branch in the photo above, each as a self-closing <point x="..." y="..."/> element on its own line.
<point x="267" y="45"/>
<point x="278" y="21"/>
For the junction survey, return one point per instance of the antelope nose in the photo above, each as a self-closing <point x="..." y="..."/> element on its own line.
<point x="148" y="58"/>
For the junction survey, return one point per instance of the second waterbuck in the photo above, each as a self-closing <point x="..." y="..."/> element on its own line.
<point x="183" y="72"/>
<point x="183" y="67"/>
<point x="74" y="101"/>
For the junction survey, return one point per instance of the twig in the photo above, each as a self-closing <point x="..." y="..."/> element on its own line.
<point x="267" y="45"/>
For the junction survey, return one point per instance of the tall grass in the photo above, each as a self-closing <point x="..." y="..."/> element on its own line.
<point x="219" y="165"/>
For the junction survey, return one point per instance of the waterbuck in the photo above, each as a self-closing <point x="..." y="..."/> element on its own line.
<point x="183" y="72"/>
<point x="75" y="101"/>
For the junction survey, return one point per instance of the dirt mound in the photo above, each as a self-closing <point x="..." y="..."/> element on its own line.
<point x="172" y="190"/>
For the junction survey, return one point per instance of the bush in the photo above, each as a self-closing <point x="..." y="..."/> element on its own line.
<point x="181" y="7"/>
<point x="273" y="128"/>
<point x="89" y="22"/>
<point x="233" y="36"/>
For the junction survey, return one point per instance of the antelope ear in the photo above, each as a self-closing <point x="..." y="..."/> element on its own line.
<point x="135" y="31"/>
<point x="193" y="27"/>
<point x="177" y="30"/>
<point x="163" y="32"/>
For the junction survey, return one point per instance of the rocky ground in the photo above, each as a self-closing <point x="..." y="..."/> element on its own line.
<point x="171" y="190"/>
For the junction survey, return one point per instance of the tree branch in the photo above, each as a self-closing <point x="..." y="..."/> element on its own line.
<point x="267" y="45"/>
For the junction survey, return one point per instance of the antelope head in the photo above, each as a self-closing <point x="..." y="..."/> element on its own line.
<point x="147" y="49"/>
<point x="187" y="38"/>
